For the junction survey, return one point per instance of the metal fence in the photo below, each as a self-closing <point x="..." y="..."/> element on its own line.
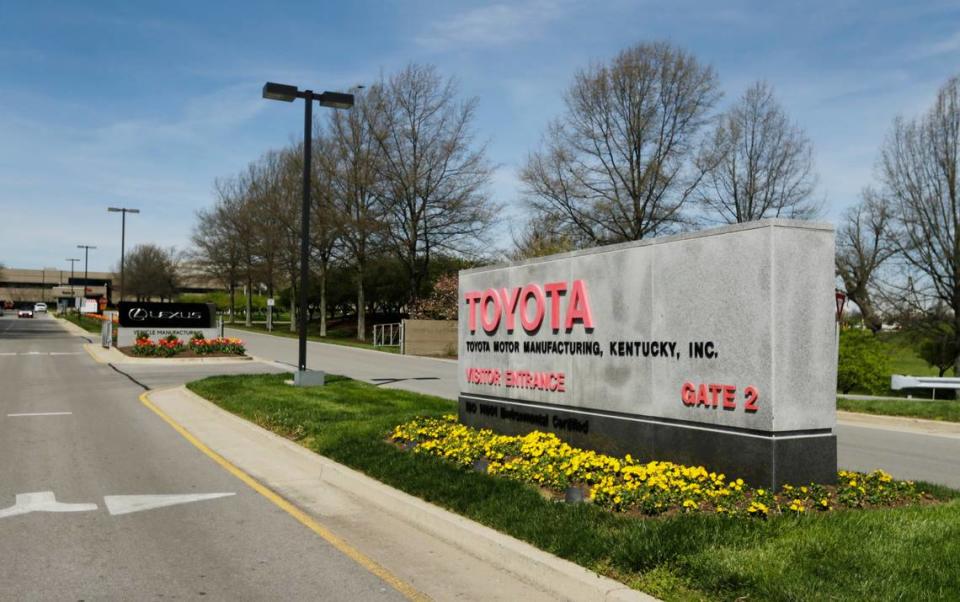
<point x="388" y="335"/>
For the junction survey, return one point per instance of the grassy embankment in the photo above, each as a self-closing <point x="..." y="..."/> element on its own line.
<point x="896" y="553"/>
<point x="905" y="360"/>
<point x="948" y="411"/>
<point x="88" y="324"/>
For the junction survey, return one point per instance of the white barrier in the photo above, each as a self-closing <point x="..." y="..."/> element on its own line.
<point x="899" y="381"/>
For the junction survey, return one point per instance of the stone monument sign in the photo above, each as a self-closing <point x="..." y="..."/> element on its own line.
<point x="715" y="348"/>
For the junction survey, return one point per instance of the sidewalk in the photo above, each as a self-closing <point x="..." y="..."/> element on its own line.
<point x="441" y="554"/>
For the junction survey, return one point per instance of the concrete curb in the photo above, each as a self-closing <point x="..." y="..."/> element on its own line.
<point x="112" y="356"/>
<point x="247" y="446"/>
<point x="900" y="423"/>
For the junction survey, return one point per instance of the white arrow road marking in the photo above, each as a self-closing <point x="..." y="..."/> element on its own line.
<point x="125" y="504"/>
<point x="42" y="501"/>
<point x="40" y="414"/>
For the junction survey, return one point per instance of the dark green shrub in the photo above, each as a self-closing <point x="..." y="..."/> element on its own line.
<point x="863" y="364"/>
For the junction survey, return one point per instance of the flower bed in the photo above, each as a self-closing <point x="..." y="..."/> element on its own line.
<point x="173" y="346"/>
<point x="652" y="488"/>
<point x="103" y="318"/>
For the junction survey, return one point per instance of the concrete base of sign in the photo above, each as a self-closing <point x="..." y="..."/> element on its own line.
<point x="126" y="336"/>
<point x="308" y="378"/>
<point x="762" y="459"/>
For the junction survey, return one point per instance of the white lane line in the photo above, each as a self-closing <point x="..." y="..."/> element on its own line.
<point x="39" y="414"/>
<point x="126" y="504"/>
<point x="41" y="353"/>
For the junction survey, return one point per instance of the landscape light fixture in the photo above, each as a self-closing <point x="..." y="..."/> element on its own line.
<point x="123" y="237"/>
<point x="334" y="100"/>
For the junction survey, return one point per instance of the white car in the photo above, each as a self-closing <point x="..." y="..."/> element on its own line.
<point x="24" y="313"/>
<point x="40" y="308"/>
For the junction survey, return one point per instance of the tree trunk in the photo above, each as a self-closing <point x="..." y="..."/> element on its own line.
<point x="361" y="307"/>
<point x="293" y="303"/>
<point x="233" y="303"/>
<point x="323" y="299"/>
<point x="956" y="360"/>
<point x="249" y="305"/>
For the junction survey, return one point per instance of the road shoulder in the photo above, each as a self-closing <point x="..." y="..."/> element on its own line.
<point x="900" y="423"/>
<point x="442" y="554"/>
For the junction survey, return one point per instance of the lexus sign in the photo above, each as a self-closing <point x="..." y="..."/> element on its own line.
<point x="166" y="315"/>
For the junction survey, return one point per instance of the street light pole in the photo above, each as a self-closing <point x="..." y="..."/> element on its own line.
<point x="123" y="237"/>
<point x="336" y="100"/>
<point x="73" y="293"/>
<point x="86" y="273"/>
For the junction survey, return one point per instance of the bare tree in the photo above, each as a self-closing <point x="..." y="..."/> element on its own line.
<point x="324" y="226"/>
<point x="217" y="250"/>
<point x="151" y="272"/>
<point x="267" y="195"/>
<point x="863" y="245"/>
<point x="432" y="177"/>
<point x="541" y="236"/>
<point x="287" y="173"/>
<point x="759" y="164"/>
<point x="920" y="165"/>
<point x="355" y="156"/>
<point x="619" y="165"/>
<point x="237" y="210"/>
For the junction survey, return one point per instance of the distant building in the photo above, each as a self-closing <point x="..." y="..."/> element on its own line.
<point x="23" y="287"/>
<point x="51" y="285"/>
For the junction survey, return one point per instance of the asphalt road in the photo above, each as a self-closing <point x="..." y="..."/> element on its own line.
<point x="73" y="432"/>
<point x="905" y="453"/>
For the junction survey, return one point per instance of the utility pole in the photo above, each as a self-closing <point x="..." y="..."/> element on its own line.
<point x="123" y="237"/>
<point x="86" y="273"/>
<point x="73" y="293"/>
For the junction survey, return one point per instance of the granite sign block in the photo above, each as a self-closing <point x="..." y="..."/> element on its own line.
<point x="713" y="348"/>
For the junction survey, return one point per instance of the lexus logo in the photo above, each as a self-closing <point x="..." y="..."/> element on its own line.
<point x="138" y="313"/>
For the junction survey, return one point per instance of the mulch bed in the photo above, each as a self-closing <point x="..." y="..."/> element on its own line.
<point x="188" y="354"/>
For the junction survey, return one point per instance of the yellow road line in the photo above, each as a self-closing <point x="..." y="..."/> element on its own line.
<point x="401" y="586"/>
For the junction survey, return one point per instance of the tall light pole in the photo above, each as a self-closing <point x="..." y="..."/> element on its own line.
<point x="86" y="261"/>
<point x="336" y="100"/>
<point x="123" y="237"/>
<point x="73" y="293"/>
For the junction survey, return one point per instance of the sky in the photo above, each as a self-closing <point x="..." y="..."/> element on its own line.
<point x="144" y="105"/>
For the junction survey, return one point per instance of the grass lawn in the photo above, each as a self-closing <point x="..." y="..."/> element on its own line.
<point x="892" y="554"/>
<point x="87" y="324"/>
<point x="948" y="410"/>
<point x="283" y="330"/>
<point x="903" y="357"/>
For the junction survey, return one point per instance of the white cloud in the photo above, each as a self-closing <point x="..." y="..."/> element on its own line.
<point x="493" y="24"/>
<point x="948" y="45"/>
